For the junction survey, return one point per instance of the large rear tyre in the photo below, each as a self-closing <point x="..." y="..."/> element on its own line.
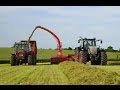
<point x="83" y="57"/>
<point x="103" y="58"/>
<point x="13" y="60"/>
<point x="29" y="59"/>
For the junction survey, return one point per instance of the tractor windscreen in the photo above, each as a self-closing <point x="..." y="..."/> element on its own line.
<point x="90" y="42"/>
<point x="22" y="46"/>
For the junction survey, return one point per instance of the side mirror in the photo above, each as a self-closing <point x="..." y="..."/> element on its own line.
<point x="78" y="41"/>
<point x="101" y="42"/>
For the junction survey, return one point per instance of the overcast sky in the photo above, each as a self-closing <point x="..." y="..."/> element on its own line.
<point x="67" y="22"/>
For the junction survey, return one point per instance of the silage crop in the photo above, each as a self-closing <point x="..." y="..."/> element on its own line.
<point x="86" y="75"/>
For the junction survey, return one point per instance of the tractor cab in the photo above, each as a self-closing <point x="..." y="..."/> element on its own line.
<point x="87" y="43"/>
<point x="22" y="46"/>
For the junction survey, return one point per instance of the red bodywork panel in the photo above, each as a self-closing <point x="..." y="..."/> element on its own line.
<point x="21" y="54"/>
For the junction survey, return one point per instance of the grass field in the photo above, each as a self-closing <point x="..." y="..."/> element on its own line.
<point x="5" y="54"/>
<point x="63" y="73"/>
<point x="42" y="54"/>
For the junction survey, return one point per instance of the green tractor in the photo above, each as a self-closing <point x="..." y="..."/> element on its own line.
<point x="89" y="51"/>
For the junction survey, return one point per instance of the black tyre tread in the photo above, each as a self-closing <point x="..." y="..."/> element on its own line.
<point x="82" y="57"/>
<point x="76" y="55"/>
<point x="93" y="62"/>
<point x="13" y="61"/>
<point x="34" y="60"/>
<point x="29" y="59"/>
<point x="96" y="62"/>
<point x="103" y="58"/>
<point x="17" y="62"/>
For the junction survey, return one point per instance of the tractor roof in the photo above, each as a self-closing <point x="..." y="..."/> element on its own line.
<point x="88" y="39"/>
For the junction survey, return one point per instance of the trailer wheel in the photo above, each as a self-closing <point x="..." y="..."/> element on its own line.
<point x="13" y="60"/>
<point x="82" y="57"/>
<point x="29" y="59"/>
<point x="34" y="60"/>
<point x="103" y="58"/>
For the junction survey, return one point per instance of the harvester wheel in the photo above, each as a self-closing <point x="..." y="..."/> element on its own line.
<point x="29" y="59"/>
<point x="82" y="57"/>
<point x="13" y="60"/>
<point x="103" y="58"/>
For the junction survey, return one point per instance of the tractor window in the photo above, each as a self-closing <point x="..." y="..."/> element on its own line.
<point x="22" y="46"/>
<point x="26" y="47"/>
<point x="89" y="43"/>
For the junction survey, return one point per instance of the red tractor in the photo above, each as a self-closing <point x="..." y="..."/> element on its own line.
<point x="25" y="52"/>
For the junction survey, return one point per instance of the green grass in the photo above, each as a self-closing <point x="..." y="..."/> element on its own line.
<point x="42" y="54"/>
<point x="113" y="55"/>
<point x="5" y="54"/>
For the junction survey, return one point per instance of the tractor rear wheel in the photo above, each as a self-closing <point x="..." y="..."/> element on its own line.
<point x="13" y="60"/>
<point x="29" y="59"/>
<point x="83" y="57"/>
<point x="103" y="58"/>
